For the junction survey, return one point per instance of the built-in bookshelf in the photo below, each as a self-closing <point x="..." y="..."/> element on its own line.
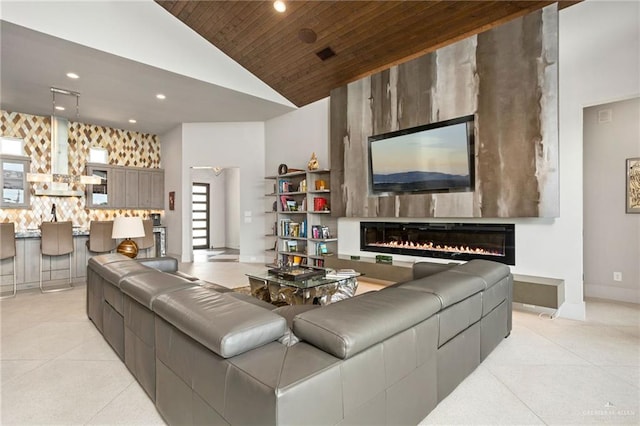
<point x="302" y="230"/>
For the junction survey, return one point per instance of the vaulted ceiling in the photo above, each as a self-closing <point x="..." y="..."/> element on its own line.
<point x="284" y="49"/>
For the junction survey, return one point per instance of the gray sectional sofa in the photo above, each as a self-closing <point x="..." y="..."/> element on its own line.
<point x="206" y="355"/>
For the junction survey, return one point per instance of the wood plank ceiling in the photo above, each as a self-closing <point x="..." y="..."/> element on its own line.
<point x="366" y="36"/>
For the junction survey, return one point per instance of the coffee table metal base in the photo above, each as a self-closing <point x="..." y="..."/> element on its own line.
<point x="320" y="295"/>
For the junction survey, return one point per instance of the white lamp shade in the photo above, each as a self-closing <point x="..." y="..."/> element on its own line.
<point x="127" y="227"/>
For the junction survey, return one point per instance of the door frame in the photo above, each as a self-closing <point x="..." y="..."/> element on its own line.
<point x="208" y="214"/>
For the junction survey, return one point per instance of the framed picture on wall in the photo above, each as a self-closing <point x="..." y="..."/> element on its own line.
<point x="633" y="185"/>
<point x="172" y="200"/>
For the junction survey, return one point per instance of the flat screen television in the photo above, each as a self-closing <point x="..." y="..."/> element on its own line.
<point x="437" y="157"/>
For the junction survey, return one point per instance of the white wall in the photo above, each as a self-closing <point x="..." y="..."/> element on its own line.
<point x="599" y="57"/>
<point x="611" y="236"/>
<point x="239" y="145"/>
<point x="599" y="62"/>
<point x="120" y="24"/>
<point x="232" y="208"/>
<point x="171" y="149"/>
<point x="292" y="137"/>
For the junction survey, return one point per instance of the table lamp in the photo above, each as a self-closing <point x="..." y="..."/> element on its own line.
<point x="127" y="228"/>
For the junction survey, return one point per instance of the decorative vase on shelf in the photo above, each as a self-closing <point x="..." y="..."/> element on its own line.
<point x="313" y="162"/>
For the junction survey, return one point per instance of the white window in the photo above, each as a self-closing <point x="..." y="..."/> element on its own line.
<point x="11" y="146"/>
<point x="98" y="155"/>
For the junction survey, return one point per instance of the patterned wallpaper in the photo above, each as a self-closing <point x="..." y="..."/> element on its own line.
<point x="126" y="148"/>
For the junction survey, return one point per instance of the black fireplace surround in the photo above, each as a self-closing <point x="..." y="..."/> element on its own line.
<point x="455" y="241"/>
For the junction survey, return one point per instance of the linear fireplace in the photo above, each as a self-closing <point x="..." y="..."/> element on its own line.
<point x="456" y="241"/>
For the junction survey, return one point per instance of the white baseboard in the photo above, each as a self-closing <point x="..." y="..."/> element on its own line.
<point x="609" y="292"/>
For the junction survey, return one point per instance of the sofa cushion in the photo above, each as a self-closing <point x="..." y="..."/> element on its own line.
<point x="425" y="269"/>
<point x="225" y="325"/>
<point x="250" y="299"/>
<point x="103" y="259"/>
<point x="496" y="277"/>
<point x="145" y="288"/>
<point x="217" y="287"/>
<point x="490" y="272"/>
<point x="114" y="272"/>
<point x="350" y="326"/>
<point x="450" y="287"/>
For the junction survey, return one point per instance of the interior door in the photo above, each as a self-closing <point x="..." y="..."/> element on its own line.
<point x="200" y="215"/>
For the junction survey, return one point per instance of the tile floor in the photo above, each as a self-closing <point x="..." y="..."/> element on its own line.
<point x="55" y="368"/>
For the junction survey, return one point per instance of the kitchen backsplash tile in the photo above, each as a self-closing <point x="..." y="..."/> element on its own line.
<point x="126" y="148"/>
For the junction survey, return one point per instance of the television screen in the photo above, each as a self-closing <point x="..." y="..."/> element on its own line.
<point x="435" y="157"/>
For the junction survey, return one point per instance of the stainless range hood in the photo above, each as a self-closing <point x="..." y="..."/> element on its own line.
<point x="59" y="180"/>
<point x="59" y="186"/>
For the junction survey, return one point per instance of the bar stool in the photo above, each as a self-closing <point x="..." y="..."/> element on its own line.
<point x="8" y="249"/>
<point x="146" y="242"/>
<point x="100" y="240"/>
<point x="56" y="240"/>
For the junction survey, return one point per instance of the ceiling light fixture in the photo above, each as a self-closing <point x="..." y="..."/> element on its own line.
<point x="59" y="108"/>
<point x="161" y="96"/>
<point x="73" y="75"/>
<point x="280" y="6"/>
<point x="132" y="121"/>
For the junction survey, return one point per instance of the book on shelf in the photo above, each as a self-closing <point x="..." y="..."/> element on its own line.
<point x="288" y="204"/>
<point x="283" y="228"/>
<point x="321" y="248"/>
<point x="294" y="229"/>
<point x="291" y="246"/>
<point x="325" y="232"/>
<point x="320" y="232"/>
<point x="315" y="231"/>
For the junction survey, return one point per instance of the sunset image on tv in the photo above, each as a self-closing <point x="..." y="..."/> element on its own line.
<point x="427" y="160"/>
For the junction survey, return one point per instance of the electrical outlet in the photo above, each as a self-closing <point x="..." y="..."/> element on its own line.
<point x="617" y="276"/>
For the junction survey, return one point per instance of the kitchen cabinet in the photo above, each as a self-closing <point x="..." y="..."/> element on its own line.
<point x="98" y="194"/>
<point x="131" y="193"/>
<point x="126" y="187"/>
<point x="151" y="189"/>
<point x="157" y="190"/>
<point x="119" y="185"/>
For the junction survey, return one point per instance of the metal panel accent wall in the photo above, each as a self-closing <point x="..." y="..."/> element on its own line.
<point x="507" y="77"/>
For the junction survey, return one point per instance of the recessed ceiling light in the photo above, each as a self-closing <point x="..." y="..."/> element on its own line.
<point x="73" y="75"/>
<point x="160" y="96"/>
<point x="280" y="6"/>
<point x="59" y="108"/>
<point x="132" y="121"/>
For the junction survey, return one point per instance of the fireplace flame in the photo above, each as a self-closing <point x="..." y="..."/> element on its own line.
<point x="410" y="245"/>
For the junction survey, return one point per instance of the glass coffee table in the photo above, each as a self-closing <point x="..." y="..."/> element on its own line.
<point x="319" y="290"/>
